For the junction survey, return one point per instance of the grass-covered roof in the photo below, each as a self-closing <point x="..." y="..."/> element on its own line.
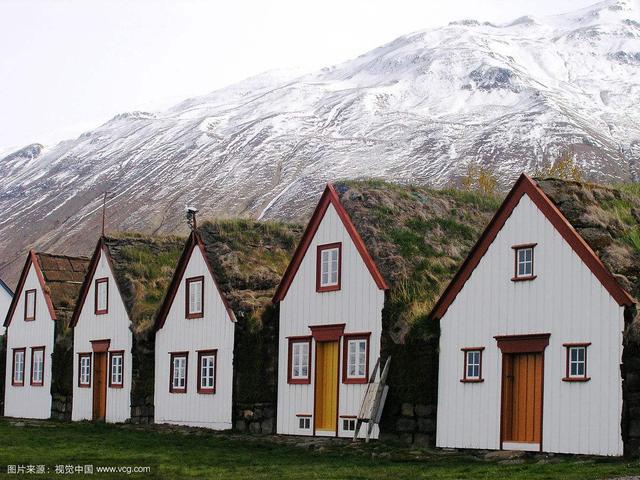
<point x="63" y="277"/>
<point x="418" y="238"/>
<point x="248" y="258"/>
<point x="143" y="267"/>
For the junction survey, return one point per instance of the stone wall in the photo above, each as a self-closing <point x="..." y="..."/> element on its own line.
<point x="630" y="372"/>
<point x="414" y="423"/>
<point x="255" y="418"/>
<point x="61" y="406"/>
<point x="142" y="377"/>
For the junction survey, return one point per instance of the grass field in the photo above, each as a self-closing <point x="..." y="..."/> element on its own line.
<point x="191" y="453"/>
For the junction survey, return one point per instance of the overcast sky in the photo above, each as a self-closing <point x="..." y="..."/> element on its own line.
<point x="68" y="66"/>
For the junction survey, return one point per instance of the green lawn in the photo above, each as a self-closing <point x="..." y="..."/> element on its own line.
<point x="180" y="453"/>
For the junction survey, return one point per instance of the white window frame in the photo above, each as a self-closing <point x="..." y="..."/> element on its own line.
<point x="577" y="362"/>
<point x="300" y="352"/>
<point x="304" y="423"/>
<point x="102" y="296"/>
<point x="84" y="373"/>
<point x="30" y="305"/>
<point x="18" y="373"/>
<point x="349" y="424"/>
<point x="473" y="364"/>
<point x="116" y="369"/>
<point x="357" y="358"/>
<point x="207" y="366"/>
<point x="329" y="267"/>
<point x="179" y="372"/>
<point x="194" y="297"/>
<point x="37" y="366"/>
<point x="522" y="261"/>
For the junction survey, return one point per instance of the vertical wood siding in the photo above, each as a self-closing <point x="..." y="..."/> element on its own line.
<point x="565" y="300"/>
<point x="358" y="304"/>
<point x="214" y="331"/>
<point x="113" y="326"/>
<point x="29" y="401"/>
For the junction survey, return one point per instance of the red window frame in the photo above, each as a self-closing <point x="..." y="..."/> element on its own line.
<point x="345" y="357"/>
<point x="567" y="376"/>
<point x="32" y="382"/>
<point x="290" y="379"/>
<point x="187" y="288"/>
<point x="516" y="249"/>
<point x="322" y="248"/>
<point x="13" y="366"/>
<point x="80" y="357"/>
<point x="207" y="353"/>
<point x="464" y="378"/>
<point x="116" y="353"/>
<point x="173" y="355"/>
<point x="95" y="307"/>
<point x="26" y="303"/>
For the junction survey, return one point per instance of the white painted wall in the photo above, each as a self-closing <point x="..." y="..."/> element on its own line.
<point x="5" y="302"/>
<point x="114" y="326"/>
<point x="358" y="304"/>
<point x="179" y="334"/>
<point x="565" y="300"/>
<point x="30" y="401"/>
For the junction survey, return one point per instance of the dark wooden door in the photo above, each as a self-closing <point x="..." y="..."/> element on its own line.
<point x="99" y="386"/>
<point x="522" y="398"/>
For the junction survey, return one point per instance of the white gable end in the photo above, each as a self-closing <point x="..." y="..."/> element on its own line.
<point x="567" y="301"/>
<point x="29" y="401"/>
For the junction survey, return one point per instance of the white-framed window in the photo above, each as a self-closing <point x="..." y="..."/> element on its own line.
<point x="194" y="297"/>
<point x="299" y="359"/>
<point x="329" y="267"/>
<point x="117" y="369"/>
<point x="304" y="423"/>
<point x="524" y="261"/>
<point x="17" y="379"/>
<point x="349" y="424"/>
<point x="102" y="296"/>
<point x="30" y="305"/>
<point x="37" y="366"/>
<point x="472" y="364"/>
<point x="178" y="372"/>
<point x="356" y="353"/>
<point x="576" y="361"/>
<point x="84" y="370"/>
<point x="207" y="371"/>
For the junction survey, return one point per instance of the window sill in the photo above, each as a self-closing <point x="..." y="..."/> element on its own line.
<point x="471" y="380"/>
<point x="299" y="381"/>
<point x="177" y="391"/>
<point x="332" y="288"/>
<point x="191" y="316"/>
<point x="84" y="386"/>
<point x="206" y="391"/>
<point x="360" y="381"/>
<point x="116" y="386"/>
<point x="101" y="312"/>
<point x="30" y="319"/>
<point x="17" y="384"/>
<point x="524" y="279"/>
<point x="37" y="384"/>
<point x="570" y="379"/>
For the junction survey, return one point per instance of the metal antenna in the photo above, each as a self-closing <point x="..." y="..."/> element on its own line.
<point x="104" y="209"/>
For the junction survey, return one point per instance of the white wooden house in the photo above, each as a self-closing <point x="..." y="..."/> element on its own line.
<point x="532" y="334"/>
<point x="331" y="299"/>
<point x="42" y="304"/>
<point x="113" y="355"/>
<point x="6" y="295"/>
<point x="194" y="346"/>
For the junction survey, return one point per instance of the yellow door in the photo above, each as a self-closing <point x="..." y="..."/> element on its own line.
<point x="326" y="409"/>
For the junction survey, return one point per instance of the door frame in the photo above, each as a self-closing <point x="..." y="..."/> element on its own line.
<point x="100" y="347"/>
<point x="514" y="344"/>
<point x="327" y="333"/>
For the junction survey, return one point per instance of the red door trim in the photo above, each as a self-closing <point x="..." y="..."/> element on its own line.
<point x="327" y="333"/>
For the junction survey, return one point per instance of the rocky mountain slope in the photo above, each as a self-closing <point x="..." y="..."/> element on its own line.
<point x="418" y="109"/>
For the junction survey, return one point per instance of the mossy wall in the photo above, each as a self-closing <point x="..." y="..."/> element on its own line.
<point x="62" y="371"/>
<point x="142" y="377"/>
<point x="3" y="369"/>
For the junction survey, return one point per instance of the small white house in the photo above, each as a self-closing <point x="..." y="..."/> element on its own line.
<point x="532" y="335"/>
<point x="41" y="306"/>
<point x="194" y="346"/>
<point x="6" y="295"/>
<point x="331" y="299"/>
<point x="112" y="353"/>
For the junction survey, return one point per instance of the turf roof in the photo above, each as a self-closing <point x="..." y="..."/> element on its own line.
<point x="418" y="238"/>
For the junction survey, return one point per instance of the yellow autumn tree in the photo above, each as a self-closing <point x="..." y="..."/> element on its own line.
<point x="564" y="167"/>
<point x="479" y="179"/>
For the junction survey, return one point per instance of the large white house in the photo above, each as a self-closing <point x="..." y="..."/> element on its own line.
<point x="42" y="304"/>
<point x="331" y="299"/>
<point x="113" y="373"/>
<point x="532" y="334"/>
<point x="194" y="346"/>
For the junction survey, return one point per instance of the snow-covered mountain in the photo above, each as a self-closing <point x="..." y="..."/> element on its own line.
<point x="418" y="109"/>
